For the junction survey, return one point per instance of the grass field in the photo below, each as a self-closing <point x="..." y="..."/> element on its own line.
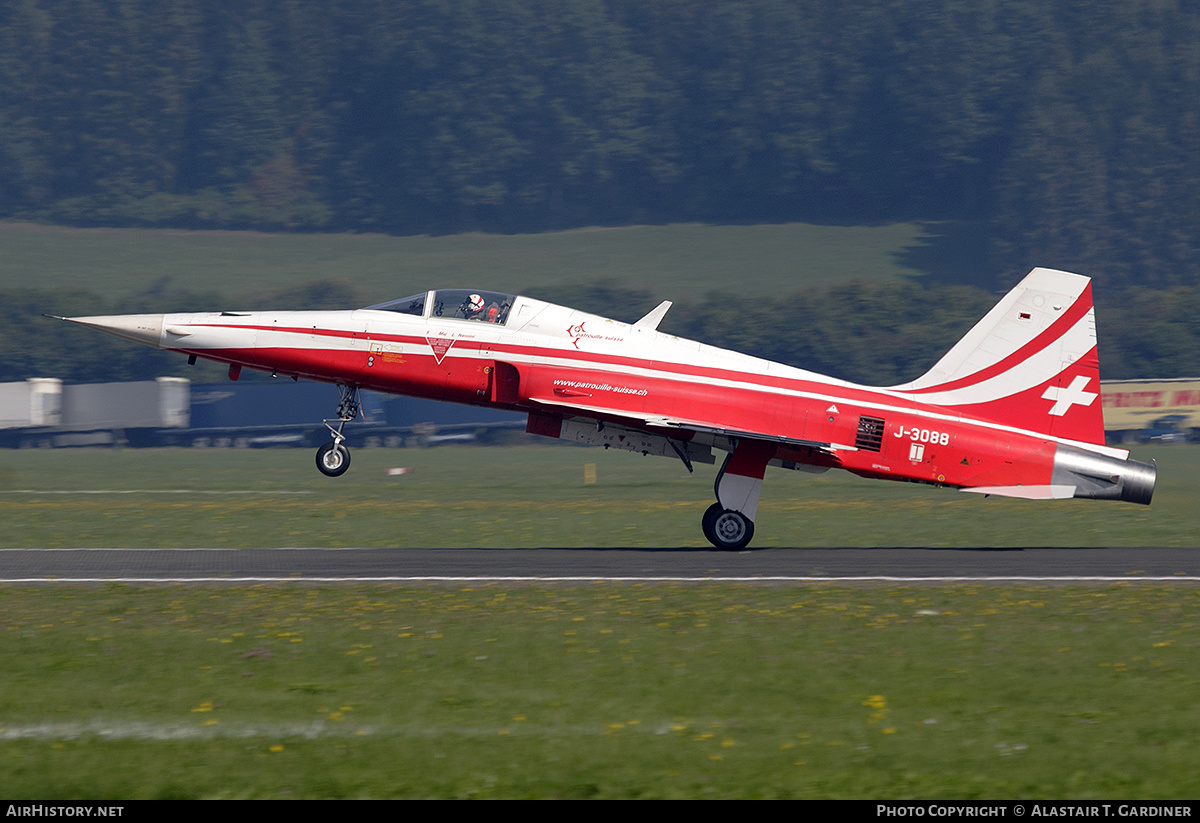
<point x="613" y="691"/>
<point x="527" y="496"/>
<point x="676" y="261"/>
<point x="608" y="690"/>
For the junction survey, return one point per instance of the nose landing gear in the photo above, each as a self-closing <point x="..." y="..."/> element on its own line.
<point x="333" y="459"/>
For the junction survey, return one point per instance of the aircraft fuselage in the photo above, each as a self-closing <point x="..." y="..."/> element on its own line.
<point x="606" y="382"/>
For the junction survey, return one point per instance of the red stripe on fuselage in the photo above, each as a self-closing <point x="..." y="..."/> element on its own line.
<point x="538" y="353"/>
<point x="771" y="411"/>
<point x="772" y="405"/>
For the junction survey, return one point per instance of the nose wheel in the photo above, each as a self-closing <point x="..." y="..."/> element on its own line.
<point x="334" y="458"/>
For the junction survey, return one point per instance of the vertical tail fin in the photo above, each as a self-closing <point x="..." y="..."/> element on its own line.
<point x="1031" y="362"/>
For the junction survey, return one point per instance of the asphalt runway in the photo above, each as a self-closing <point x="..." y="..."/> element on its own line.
<point x="850" y="564"/>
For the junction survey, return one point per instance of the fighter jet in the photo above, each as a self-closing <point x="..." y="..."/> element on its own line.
<point x="1013" y="409"/>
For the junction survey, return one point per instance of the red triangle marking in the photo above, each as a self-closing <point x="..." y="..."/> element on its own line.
<point x="440" y="346"/>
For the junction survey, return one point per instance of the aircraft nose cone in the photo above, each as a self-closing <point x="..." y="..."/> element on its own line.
<point x="140" y="328"/>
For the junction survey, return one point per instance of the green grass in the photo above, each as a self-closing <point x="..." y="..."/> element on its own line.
<point x="676" y="261"/>
<point x="613" y="691"/>
<point x="532" y="495"/>
<point x="609" y="691"/>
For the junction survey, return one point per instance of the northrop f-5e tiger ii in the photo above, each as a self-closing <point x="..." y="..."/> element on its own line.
<point x="1013" y="409"/>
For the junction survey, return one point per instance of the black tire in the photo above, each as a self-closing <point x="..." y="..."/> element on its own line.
<point x="333" y="459"/>
<point x="731" y="530"/>
<point x="706" y="522"/>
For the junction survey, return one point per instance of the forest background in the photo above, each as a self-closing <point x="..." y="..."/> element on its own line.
<point x="1025" y="133"/>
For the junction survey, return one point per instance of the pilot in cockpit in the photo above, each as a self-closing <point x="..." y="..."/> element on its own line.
<point x="472" y="308"/>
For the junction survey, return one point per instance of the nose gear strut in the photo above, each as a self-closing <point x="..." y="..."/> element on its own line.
<point x="334" y="458"/>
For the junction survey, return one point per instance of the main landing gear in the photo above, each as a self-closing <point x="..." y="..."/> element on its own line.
<point x="725" y="528"/>
<point x="334" y="458"/>
<point x="729" y="523"/>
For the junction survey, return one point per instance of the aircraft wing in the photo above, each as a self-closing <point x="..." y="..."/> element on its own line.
<point x="684" y="424"/>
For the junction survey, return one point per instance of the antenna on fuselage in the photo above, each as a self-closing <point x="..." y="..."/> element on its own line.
<point x="651" y="320"/>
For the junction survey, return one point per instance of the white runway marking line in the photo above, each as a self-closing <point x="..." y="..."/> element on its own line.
<point x="588" y="579"/>
<point x="147" y="730"/>
<point x="146" y="491"/>
<point x="144" y="730"/>
<point x="181" y="548"/>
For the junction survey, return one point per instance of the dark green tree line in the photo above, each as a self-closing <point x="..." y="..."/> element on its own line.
<point x="1065" y="128"/>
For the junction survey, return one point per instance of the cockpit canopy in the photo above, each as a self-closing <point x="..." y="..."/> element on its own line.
<point x="414" y="305"/>
<point x="454" y="304"/>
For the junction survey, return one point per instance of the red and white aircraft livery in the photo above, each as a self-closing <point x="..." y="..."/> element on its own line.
<point x="1013" y="409"/>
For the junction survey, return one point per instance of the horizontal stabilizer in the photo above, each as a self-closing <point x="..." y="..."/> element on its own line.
<point x="1026" y="492"/>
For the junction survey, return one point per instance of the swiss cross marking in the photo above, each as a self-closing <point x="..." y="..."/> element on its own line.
<point x="1072" y="395"/>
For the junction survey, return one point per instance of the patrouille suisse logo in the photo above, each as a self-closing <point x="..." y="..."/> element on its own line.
<point x="440" y="346"/>
<point x="578" y="332"/>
